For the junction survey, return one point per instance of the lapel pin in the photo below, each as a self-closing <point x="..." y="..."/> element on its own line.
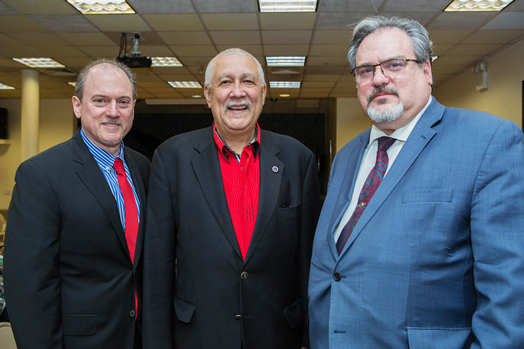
<point x="275" y="169"/>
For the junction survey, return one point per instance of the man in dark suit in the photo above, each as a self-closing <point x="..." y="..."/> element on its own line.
<point x="74" y="238"/>
<point x="435" y="258"/>
<point x="231" y="217"/>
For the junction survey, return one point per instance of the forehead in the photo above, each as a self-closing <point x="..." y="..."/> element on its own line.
<point x="106" y="77"/>
<point x="235" y="65"/>
<point x="384" y="44"/>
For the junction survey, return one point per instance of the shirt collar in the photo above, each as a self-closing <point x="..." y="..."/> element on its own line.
<point x="103" y="158"/>
<point x="402" y="133"/>
<point x="226" y="149"/>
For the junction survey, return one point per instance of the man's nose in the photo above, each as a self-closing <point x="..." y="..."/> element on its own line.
<point x="379" y="77"/>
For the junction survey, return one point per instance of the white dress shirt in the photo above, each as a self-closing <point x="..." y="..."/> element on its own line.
<point x="369" y="158"/>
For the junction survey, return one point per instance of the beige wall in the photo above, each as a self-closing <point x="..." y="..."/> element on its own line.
<point x="504" y="94"/>
<point x="57" y="124"/>
<point x="351" y="121"/>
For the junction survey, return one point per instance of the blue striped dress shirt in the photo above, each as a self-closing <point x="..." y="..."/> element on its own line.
<point x="106" y="160"/>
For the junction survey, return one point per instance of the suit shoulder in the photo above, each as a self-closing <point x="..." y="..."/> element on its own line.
<point x="53" y="156"/>
<point x="476" y="121"/>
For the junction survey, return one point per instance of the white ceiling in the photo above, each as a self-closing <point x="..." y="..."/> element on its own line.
<point x="196" y="30"/>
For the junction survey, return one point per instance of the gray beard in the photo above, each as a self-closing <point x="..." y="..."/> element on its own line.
<point x="387" y="115"/>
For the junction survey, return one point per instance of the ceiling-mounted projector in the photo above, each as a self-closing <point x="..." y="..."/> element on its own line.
<point x="135" y="62"/>
<point x="134" y="59"/>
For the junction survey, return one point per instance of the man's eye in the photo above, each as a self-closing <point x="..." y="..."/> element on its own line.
<point x="225" y="82"/>
<point x="394" y="64"/>
<point x="99" y="101"/>
<point x="365" y="70"/>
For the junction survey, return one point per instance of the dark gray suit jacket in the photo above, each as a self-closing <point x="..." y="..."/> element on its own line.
<point x="216" y="299"/>
<point x="69" y="279"/>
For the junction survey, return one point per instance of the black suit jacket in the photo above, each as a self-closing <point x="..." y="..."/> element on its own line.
<point x="198" y="291"/>
<point x="69" y="279"/>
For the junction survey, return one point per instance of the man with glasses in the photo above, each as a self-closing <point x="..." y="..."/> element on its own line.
<point x="420" y="241"/>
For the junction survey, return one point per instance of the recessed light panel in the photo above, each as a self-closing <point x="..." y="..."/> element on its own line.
<point x="102" y="7"/>
<point x="185" y="84"/>
<point x="165" y="62"/>
<point x="5" y="87"/>
<point x="39" y="62"/>
<point x="284" y="84"/>
<point x="287" y="6"/>
<point x="286" y="61"/>
<point x="477" y="5"/>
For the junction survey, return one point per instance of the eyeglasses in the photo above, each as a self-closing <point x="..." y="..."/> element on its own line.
<point x="389" y="68"/>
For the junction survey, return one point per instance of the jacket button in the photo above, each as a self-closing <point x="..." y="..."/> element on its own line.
<point x="132" y="313"/>
<point x="238" y="316"/>
<point x="337" y="277"/>
<point x="244" y="275"/>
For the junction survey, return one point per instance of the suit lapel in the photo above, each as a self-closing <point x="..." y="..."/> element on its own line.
<point x="141" y="192"/>
<point x="94" y="180"/>
<point x="271" y="170"/>
<point x="415" y="144"/>
<point x="207" y="170"/>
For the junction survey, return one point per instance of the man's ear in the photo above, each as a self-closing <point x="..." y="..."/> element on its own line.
<point x="207" y="94"/>
<point x="77" y="104"/>
<point x="428" y="72"/>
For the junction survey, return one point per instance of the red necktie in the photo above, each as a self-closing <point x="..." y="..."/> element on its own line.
<point x="131" y="218"/>
<point x="368" y="190"/>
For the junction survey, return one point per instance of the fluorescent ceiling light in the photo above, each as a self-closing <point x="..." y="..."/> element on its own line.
<point x="284" y="84"/>
<point x="434" y="58"/>
<point x="72" y="83"/>
<point x="102" y="7"/>
<point x="39" y="62"/>
<point x="284" y="95"/>
<point x="477" y="5"/>
<point x="196" y="96"/>
<point x="5" y="87"/>
<point x="287" y="6"/>
<point x="286" y="61"/>
<point x="166" y="62"/>
<point x="185" y="84"/>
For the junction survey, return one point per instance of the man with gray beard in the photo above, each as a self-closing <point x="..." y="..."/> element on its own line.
<point x="420" y="241"/>
<point x="231" y="224"/>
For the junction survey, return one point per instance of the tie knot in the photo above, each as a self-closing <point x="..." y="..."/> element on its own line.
<point x="385" y="142"/>
<point x="118" y="166"/>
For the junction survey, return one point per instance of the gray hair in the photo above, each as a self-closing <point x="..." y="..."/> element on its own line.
<point x="422" y="46"/>
<point x="210" y="70"/>
<point x="82" y="77"/>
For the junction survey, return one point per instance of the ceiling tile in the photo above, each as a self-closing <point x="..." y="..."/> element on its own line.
<point x="19" y="24"/>
<point x="39" y="7"/>
<point x="456" y="60"/>
<point x="20" y="52"/>
<point x="324" y="77"/>
<point x="6" y="41"/>
<point x="229" y="6"/>
<point x="517" y="5"/>
<point x="86" y="39"/>
<point x="350" y="6"/>
<point x="286" y="50"/>
<point x="192" y="60"/>
<point x="166" y="71"/>
<point x="332" y="60"/>
<point x="101" y="51"/>
<point x="324" y="69"/>
<point x="440" y="49"/>
<point x="332" y="37"/>
<point x="460" y="20"/>
<point x="506" y="20"/>
<point x="185" y="38"/>
<point x="6" y="10"/>
<point x="493" y="36"/>
<point x="472" y="50"/>
<point x="422" y="17"/>
<point x="174" y="22"/>
<point x="339" y="20"/>
<point x="255" y="50"/>
<point x="329" y="50"/>
<point x="68" y="23"/>
<point x="74" y="63"/>
<point x="156" y="51"/>
<point x="40" y="39"/>
<point x="290" y="37"/>
<point x="230" y="21"/>
<point x="162" y="6"/>
<point x="278" y="21"/>
<point x="119" y="23"/>
<point x="415" y="6"/>
<point x="59" y="51"/>
<point x="314" y="84"/>
<point x="235" y="38"/>
<point x="448" y="37"/>
<point x="9" y="63"/>
<point x="203" y="50"/>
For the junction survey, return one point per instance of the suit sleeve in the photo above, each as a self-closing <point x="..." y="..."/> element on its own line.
<point x="159" y="260"/>
<point x="31" y="261"/>
<point x="310" y="213"/>
<point x="497" y="237"/>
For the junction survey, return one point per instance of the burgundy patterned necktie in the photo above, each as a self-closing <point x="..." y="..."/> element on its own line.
<point x="368" y="190"/>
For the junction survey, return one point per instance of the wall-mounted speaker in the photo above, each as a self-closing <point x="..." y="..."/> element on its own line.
<point x="3" y="123"/>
